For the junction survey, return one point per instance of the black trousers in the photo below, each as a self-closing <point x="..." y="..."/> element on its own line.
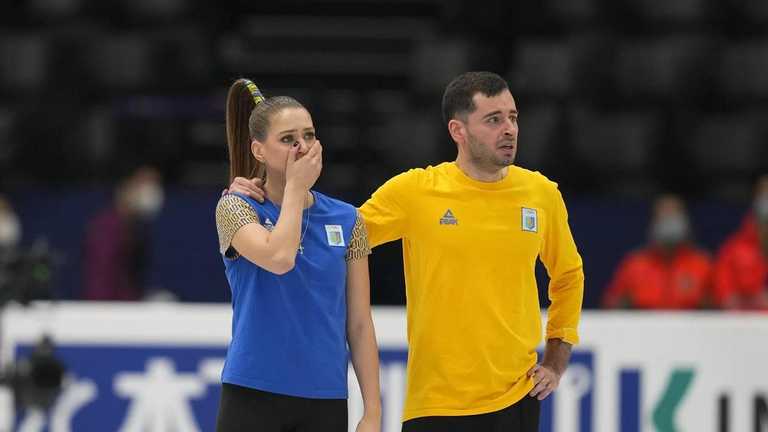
<point x="247" y="410"/>
<point x="520" y="417"/>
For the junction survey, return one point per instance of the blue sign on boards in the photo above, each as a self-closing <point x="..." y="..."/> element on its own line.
<point x="578" y="383"/>
<point x="134" y="387"/>
<point x="117" y="387"/>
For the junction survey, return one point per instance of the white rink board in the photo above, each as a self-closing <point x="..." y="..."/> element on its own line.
<point x="723" y="357"/>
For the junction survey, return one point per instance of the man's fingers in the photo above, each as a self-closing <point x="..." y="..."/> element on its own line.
<point x="257" y="195"/>
<point x="532" y="370"/>
<point x="242" y="182"/>
<point x="540" y="387"/>
<point x="250" y="185"/>
<point x="543" y="395"/>
<point x="247" y="187"/>
<point x="537" y="377"/>
<point x="544" y="382"/>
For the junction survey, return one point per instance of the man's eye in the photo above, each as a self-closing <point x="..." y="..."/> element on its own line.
<point x="493" y="120"/>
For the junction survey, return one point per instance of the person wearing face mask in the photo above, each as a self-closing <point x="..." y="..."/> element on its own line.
<point x="117" y="243"/>
<point x="10" y="228"/>
<point x="670" y="272"/>
<point x="741" y="269"/>
<point x="10" y="234"/>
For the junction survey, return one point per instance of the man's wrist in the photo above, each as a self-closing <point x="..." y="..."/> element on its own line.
<point x="556" y="355"/>
<point x="559" y="370"/>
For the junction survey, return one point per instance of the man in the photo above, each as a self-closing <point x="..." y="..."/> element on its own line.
<point x="741" y="269"/>
<point x="472" y="231"/>
<point x="670" y="272"/>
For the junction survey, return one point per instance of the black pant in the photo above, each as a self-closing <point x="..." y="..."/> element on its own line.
<point x="247" y="410"/>
<point x="520" y="417"/>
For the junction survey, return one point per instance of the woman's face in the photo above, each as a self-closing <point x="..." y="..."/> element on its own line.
<point x="286" y="127"/>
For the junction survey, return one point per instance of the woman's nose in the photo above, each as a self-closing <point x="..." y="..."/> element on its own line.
<point x="303" y="146"/>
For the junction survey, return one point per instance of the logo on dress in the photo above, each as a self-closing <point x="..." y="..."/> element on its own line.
<point x="335" y="235"/>
<point x="269" y="225"/>
<point x="530" y="220"/>
<point x="448" y="218"/>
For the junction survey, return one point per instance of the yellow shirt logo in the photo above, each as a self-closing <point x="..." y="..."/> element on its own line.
<point x="448" y="218"/>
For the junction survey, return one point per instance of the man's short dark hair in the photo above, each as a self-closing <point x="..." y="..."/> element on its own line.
<point x="457" y="99"/>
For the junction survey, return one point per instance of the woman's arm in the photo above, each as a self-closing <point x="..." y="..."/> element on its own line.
<point x="275" y="250"/>
<point x="362" y="342"/>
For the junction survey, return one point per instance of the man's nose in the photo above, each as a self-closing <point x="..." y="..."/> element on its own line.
<point x="509" y="127"/>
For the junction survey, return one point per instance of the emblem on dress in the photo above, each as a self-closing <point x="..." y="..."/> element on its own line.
<point x="335" y="235"/>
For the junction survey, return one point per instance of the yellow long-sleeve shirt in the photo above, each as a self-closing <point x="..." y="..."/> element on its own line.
<point x="469" y="251"/>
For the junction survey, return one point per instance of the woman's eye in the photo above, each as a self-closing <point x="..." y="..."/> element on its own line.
<point x="309" y="136"/>
<point x="287" y="139"/>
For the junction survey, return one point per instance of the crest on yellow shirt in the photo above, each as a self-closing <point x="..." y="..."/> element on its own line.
<point x="448" y="218"/>
<point x="530" y="220"/>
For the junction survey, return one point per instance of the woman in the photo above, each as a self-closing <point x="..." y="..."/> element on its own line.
<point x="297" y="265"/>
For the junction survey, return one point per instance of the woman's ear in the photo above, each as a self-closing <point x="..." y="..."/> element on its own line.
<point x="256" y="150"/>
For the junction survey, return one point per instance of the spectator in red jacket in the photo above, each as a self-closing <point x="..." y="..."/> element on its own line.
<point x="670" y="272"/>
<point x="741" y="270"/>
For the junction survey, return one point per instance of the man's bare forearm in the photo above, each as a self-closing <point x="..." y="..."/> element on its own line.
<point x="556" y="355"/>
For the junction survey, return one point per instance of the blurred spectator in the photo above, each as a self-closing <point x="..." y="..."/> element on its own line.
<point x="117" y="243"/>
<point x="25" y="273"/>
<point x="10" y="233"/>
<point x="741" y="270"/>
<point x="670" y="272"/>
<point x="10" y="228"/>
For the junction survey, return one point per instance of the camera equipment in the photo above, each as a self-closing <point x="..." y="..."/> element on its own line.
<point x="25" y="275"/>
<point x="36" y="380"/>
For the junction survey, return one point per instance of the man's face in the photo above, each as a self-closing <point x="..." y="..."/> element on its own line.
<point x="761" y="210"/>
<point x="761" y="200"/>
<point x="669" y="224"/>
<point x="491" y="136"/>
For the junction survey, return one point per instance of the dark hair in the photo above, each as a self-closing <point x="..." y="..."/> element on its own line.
<point x="248" y="117"/>
<point x="457" y="99"/>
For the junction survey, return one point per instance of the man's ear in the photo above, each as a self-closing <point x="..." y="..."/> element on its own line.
<point x="458" y="130"/>
<point x="256" y="150"/>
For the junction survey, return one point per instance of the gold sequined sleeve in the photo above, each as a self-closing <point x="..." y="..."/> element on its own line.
<point x="358" y="244"/>
<point x="232" y="213"/>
